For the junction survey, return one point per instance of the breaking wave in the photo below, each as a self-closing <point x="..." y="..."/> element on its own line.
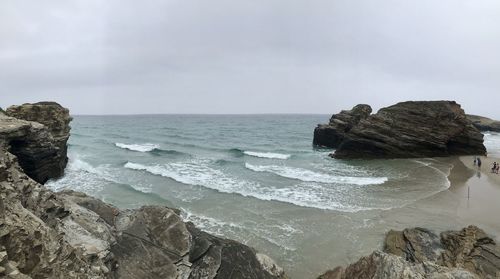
<point x="199" y="174"/>
<point x="268" y="155"/>
<point x="311" y="176"/>
<point x="145" y="147"/>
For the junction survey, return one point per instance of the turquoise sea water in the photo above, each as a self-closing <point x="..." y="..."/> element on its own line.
<point x="253" y="178"/>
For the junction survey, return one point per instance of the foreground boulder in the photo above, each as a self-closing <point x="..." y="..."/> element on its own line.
<point x="484" y="124"/>
<point x="40" y="140"/>
<point x="419" y="253"/>
<point x="68" y="234"/>
<point x="404" y="130"/>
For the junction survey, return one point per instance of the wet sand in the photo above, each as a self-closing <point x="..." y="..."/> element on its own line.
<point x="480" y="193"/>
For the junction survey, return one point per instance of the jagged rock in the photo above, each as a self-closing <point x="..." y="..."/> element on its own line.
<point x="484" y="124"/>
<point x="71" y="235"/>
<point x="408" y="130"/>
<point x="419" y="253"/>
<point x="40" y="156"/>
<point x="471" y="249"/>
<point x="381" y="265"/>
<point x="415" y="245"/>
<point x="40" y="140"/>
<point x="332" y="134"/>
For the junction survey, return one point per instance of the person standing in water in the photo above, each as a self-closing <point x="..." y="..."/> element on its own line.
<point x="479" y="162"/>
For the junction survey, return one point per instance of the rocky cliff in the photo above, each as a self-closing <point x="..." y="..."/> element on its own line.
<point x="404" y="130"/>
<point x="39" y="141"/>
<point x="70" y="235"/>
<point x="484" y="124"/>
<point x="419" y="253"/>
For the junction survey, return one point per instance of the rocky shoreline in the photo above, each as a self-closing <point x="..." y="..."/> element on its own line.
<point x="44" y="234"/>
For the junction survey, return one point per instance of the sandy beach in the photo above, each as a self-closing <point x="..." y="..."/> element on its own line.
<point x="479" y="190"/>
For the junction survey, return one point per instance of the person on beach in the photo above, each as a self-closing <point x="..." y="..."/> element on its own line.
<point x="479" y="162"/>
<point x="494" y="167"/>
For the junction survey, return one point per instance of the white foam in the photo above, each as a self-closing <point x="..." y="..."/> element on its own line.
<point x="197" y="173"/>
<point x="268" y="155"/>
<point x="82" y="176"/>
<point x="277" y="234"/>
<point x="311" y="176"/>
<point x="145" y="147"/>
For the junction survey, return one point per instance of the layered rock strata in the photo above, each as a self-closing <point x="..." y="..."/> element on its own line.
<point x="39" y="141"/>
<point x="419" y="253"/>
<point x="44" y="234"/>
<point x="404" y="130"/>
<point x="333" y="133"/>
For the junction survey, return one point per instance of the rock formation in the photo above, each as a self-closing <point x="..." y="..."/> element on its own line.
<point x="419" y="253"/>
<point x="41" y="145"/>
<point x="404" y="130"/>
<point x="71" y="235"/>
<point x="333" y="133"/>
<point x="484" y="124"/>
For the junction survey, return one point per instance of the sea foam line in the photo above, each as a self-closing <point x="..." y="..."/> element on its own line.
<point x="311" y="176"/>
<point x="145" y="147"/>
<point x="198" y="174"/>
<point x="268" y="155"/>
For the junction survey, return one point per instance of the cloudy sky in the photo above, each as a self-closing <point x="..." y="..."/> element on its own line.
<point x="249" y="56"/>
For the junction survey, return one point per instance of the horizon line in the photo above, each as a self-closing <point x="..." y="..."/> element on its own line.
<point x="201" y="114"/>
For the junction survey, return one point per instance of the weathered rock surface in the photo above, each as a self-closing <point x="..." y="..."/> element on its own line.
<point x="419" y="253"/>
<point x="333" y="133"/>
<point x="71" y="235"/>
<point x="405" y="130"/>
<point x="40" y="146"/>
<point x="484" y="124"/>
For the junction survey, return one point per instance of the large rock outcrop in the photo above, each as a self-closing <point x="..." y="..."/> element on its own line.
<point x="484" y="124"/>
<point x="39" y="142"/>
<point x="44" y="234"/>
<point x="405" y="130"/>
<point x="419" y="253"/>
<point x="333" y="133"/>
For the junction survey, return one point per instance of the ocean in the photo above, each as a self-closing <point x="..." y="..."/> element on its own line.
<point x="257" y="179"/>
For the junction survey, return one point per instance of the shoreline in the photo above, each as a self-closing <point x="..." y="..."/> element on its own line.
<point x="478" y="192"/>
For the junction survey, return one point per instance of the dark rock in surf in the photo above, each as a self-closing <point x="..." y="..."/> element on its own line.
<point x="407" y="130"/>
<point x="484" y="124"/>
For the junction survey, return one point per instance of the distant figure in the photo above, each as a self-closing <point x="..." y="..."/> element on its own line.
<point x="494" y="167"/>
<point x="475" y="160"/>
<point x="479" y="163"/>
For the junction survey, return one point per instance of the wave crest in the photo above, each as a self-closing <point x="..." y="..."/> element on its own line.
<point x="268" y="155"/>
<point x="145" y="147"/>
<point x="199" y="174"/>
<point x="311" y="176"/>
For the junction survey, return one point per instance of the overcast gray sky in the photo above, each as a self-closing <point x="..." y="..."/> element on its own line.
<point x="252" y="56"/>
